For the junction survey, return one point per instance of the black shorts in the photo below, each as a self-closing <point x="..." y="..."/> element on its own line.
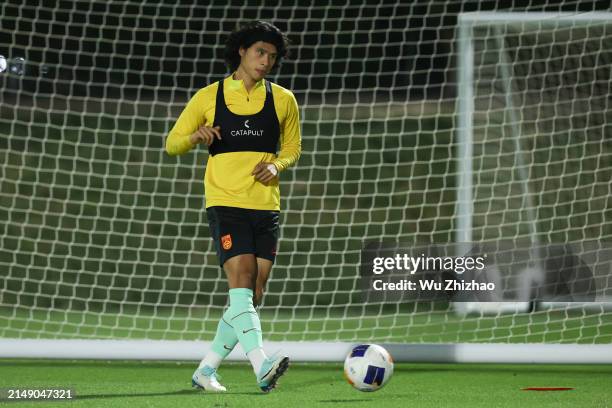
<point x="238" y="231"/>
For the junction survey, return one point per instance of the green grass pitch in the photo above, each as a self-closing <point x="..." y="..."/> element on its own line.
<point x="167" y="384"/>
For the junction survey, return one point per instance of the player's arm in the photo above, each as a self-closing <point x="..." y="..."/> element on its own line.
<point x="291" y="145"/>
<point x="190" y="128"/>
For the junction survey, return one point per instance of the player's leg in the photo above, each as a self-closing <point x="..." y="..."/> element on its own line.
<point x="242" y="271"/>
<point x="274" y="367"/>
<point x="264" y="266"/>
<point x="228" y="233"/>
<point x="266" y="229"/>
<point x="224" y="342"/>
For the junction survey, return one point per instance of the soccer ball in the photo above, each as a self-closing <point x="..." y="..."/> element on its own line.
<point x="368" y="367"/>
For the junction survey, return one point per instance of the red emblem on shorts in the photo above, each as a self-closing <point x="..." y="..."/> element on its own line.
<point x="226" y="242"/>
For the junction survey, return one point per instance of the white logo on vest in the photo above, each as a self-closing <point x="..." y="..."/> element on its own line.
<point x="247" y="131"/>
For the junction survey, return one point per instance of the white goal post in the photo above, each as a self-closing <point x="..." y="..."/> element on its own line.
<point x="499" y="131"/>
<point x="513" y="102"/>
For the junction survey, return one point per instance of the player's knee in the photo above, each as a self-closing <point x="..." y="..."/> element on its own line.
<point x="241" y="271"/>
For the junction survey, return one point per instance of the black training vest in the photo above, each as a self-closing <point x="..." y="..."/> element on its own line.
<point x="246" y="133"/>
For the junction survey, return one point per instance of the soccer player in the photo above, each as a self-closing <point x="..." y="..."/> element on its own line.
<point x="243" y="119"/>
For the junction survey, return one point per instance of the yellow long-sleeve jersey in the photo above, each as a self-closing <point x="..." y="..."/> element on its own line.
<point x="228" y="180"/>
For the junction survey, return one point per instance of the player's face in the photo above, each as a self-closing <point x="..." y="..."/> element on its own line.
<point x="258" y="59"/>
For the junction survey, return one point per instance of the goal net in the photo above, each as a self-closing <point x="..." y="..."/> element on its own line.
<point x="420" y="125"/>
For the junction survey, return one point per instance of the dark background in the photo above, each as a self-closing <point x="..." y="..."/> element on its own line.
<point x="132" y="49"/>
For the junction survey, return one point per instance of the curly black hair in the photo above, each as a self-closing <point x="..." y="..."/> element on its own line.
<point x="247" y="35"/>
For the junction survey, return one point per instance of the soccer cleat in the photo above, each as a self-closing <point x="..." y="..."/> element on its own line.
<point x="206" y="378"/>
<point x="270" y="372"/>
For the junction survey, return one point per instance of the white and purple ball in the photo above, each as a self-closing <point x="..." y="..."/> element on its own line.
<point x="368" y="367"/>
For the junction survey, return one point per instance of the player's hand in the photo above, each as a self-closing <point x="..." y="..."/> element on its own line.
<point x="206" y="135"/>
<point x="265" y="172"/>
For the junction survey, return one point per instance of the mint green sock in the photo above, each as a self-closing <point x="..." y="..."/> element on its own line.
<point x="244" y="318"/>
<point x="225" y="340"/>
